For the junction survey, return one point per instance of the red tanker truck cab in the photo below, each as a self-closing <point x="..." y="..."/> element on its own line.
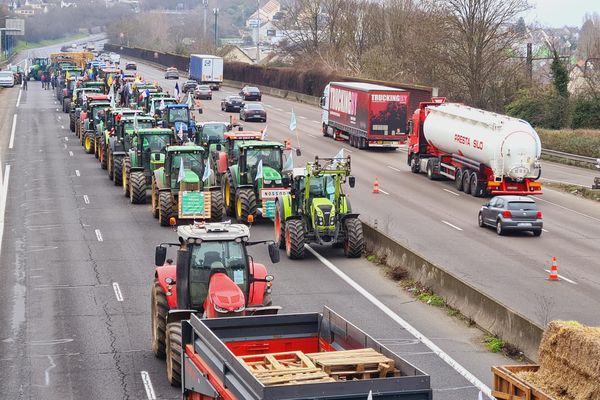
<point x="484" y="153"/>
<point x="364" y="114"/>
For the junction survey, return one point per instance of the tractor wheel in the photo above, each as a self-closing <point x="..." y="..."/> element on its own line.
<point x="245" y="205"/>
<point x="165" y="208"/>
<point x="216" y="206"/>
<point x="228" y="194"/>
<point x="88" y="145"/>
<point x="160" y="308"/>
<point x="125" y="176"/>
<point x="96" y="147"/>
<point x="110" y="166"/>
<point x="102" y="155"/>
<point x="279" y="225"/>
<point x="294" y="239"/>
<point x="173" y="345"/>
<point x="354" y="244"/>
<point x="137" y="187"/>
<point x="72" y="124"/>
<point x="154" y="199"/>
<point x="77" y="126"/>
<point x="118" y="170"/>
<point x="66" y="105"/>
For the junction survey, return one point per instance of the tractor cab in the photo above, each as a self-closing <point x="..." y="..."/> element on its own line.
<point x="178" y="118"/>
<point x="184" y="168"/>
<point x="147" y="148"/>
<point x="211" y="134"/>
<point x="157" y="104"/>
<point x="101" y="86"/>
<point x="230" y="148"/>
<point x="128" y="124"/>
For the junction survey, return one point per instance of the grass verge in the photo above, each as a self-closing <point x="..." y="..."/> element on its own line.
<point x="580" y="191"/>
<point x="34" y="45"/>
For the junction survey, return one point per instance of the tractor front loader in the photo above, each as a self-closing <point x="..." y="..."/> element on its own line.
<point x="317" y="211"/>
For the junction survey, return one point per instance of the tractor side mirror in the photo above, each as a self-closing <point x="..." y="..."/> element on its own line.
<point x="160" y="255"/>
<point x="285" y="181"/>
<point x="352" y="181"/>
<point x="298" y="152"/>
<point x="273" y="255"/>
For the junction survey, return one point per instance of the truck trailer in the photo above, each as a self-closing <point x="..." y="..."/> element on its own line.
<point x="484" y="153"/>
<point x="206" y="69"/>
<point x="290" y="356"/>
<point x="365" y="114"/>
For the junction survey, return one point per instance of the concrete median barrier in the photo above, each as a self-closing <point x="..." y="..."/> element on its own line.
<point x="284" y="94"/>
<point x="488" y="313"/>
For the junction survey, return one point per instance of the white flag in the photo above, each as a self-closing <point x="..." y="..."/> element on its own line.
<point x="339" y="156"/>
<point x="162" y="105"/>
<point x="370" y="396"/>
<point x="190" y="102"/>
<point x="135" y="123"/>
<point x="152" y="108"/>
<point x="293" y="121"/>
<point x="180" y="133"/>
<point x="264" y="133"/>
<point x="288" y="165"/>
<point x="259" y="171"/>
<point x="181" y="174"/>
<point x="207" y="171"/>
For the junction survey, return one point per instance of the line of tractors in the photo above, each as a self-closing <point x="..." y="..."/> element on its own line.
<point x="196" y="175"/>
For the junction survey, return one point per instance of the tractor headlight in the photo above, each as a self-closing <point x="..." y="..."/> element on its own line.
<point x="267" y="182"/>
<point x="320" y="220"/>
<point x="278" y="181"/>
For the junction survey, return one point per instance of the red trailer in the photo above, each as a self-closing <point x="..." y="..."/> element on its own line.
<point x="364" y="114"/>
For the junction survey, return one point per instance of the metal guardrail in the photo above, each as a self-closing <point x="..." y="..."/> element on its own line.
<point x="572" y="157"/>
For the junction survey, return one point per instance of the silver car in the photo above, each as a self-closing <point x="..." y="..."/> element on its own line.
<point x="511" y="213"/>
<point x="7" y="79"/>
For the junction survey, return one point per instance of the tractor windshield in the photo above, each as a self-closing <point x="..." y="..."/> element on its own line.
<point x="211" y="255"/>
<point x="178" y="114"/>
<point x="320" y="186"/>
<point x="191" y="162"/>
<point x="142" y="124"/>
<point x="213" y="133"/>
<point x="270" y="156"/>
<point x="155" y="143"/>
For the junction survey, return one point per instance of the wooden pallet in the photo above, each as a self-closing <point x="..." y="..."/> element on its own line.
<point x="353" y="364"/>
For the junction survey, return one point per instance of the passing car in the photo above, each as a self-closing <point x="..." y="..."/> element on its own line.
<point x="7" y="79"/>
<point x="189" y="86"/>
<point x="511" y="213"/>
<point x="171" y="73"/>
<point x="253" y="112"/>
<point x="250" y="93"/>
<point x="203" y="92"/>
<point x="231" y="103"/>
<point x="131" y="66"/>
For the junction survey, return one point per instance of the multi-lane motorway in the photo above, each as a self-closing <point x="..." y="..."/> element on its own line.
<point x="77" y="261"/>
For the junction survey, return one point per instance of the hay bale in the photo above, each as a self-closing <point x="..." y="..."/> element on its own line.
<point x="569" y="358"/>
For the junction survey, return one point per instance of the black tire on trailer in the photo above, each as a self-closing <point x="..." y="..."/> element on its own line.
<point x="216" y="206"/>
<point x="279" y="225"/>
<point x="160" y="309"/>
<point x="118" y="170"/>
<point x="458" y="179"/>
<point x="294" y="239"/>
<point x="137" y="187"/>
<point x="477" y="189"/>
<point x="228" y="194"/>
<point x="467" y="181"/>
<point x="245" y="205"/>
<point x="126" y="170"/>
<point x="355" y="242"/>
<point x="324" y="130"/>
<point x="154" y="200"/>
<point x="173" y="348"/>
<point x="165" y="208"/>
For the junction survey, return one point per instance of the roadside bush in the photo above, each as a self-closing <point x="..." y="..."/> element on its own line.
<point x="586" y="113"/>
<point x="581" y="141"/>
<point x="543" y="109"/>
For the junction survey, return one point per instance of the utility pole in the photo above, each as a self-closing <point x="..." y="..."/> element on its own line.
<point x="258" y="31"/>
<point x="529" y="63"/>
<point x="216" y="12"/>
<point x="205" y="8"/>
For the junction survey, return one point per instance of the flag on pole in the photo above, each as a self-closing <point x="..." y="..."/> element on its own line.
<point x="180" y="133"/>
<point x="259" y="171"/>
<point x="264" y="133"/>
<point x="176" y="92"/>
<point x="339" y="156"/>
<point x="293" y="121"/>
<point x="135" y="122"/>
<point x="207" y="171"/>
<point x="181" y="174"/>
<point x="190" y="101"/>
<point x="288" y="164"/>
<point x="162" y="105"/>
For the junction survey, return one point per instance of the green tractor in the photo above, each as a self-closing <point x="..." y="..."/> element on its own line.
<point x="317" y="211"/>
<point x="178" y="188"/>
<point x="145" y="153"/>
<point x="251" y="178"/>
<point x="39" y="66"/>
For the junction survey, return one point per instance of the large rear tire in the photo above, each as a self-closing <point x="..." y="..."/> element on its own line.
<point x="228" y="194"/>
<point x="466" y="181"/>
<point x="173" y="344"/>
<point x="294" y="239"/>
<point x="245" y="205"/>
<point x="155" y="206"/>
<point x="160" y="309"/>
<point x="66" y="104"/>
<point x="88" y="144"/>
<point x="355" y="243"/>
<point x="118" y="170"/>
<point x="165" y="208"/>
<point x="125" y="176"/>
<point x="102" y="155"/>
<point x="216" y="206"/>
<point x="137" y="187"/>
<point x="458" y="179"/>
<point x="477" y="189"/>
<point x="279" y="224"/>
<point x="72" y="124"/>
<point x="109" y="166"/>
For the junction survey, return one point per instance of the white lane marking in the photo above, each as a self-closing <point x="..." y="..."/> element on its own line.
<point x="19" y="98"/>
<point x="384" y="192"/>
<point x="570" y="209"/>
<point x="57" y="109"/>
<point x="66" y="137"/>
<point x="148" y="385"/>
<point x="544" y="230"/>
<point x="316" y="122"/>
<point x="303" y="117"/>
<point x="394" y="168"/>
<point x="99" y="235"/>
<point x="47" y="371"/>
<point x="86" y="199"/>
<point x="11" y="142"/>
<point x="3" y="195"/>
<point x="63" y="127"/>
<point x="451" y="192"/>
<point x="563" y="278"/>
<point x="453" y="226"/>
<point x="70" y="153"/>
<point x="59" y="117"/>
<point x="117" y="290"/>
<point x="404" y="324"/>
<point x="77" y="172"/>
<point x="279" y="109"/>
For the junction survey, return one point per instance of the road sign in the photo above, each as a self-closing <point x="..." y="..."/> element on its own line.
<point x="15" y="27"/>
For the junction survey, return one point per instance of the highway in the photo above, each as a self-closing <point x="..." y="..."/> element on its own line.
<point x="77" y="262"/>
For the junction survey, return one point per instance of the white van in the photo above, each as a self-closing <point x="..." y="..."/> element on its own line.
<point x="7" y="79"/>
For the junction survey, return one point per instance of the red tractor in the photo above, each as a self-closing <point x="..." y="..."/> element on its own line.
<point x="214" y="277"/>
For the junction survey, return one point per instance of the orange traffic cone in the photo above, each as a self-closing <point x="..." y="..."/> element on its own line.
<point x="553" y="271"/>
<point x="376" y="186"/>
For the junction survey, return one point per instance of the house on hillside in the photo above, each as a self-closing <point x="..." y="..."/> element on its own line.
<point x="234" y="53"/>
<point x="264" y="13"/>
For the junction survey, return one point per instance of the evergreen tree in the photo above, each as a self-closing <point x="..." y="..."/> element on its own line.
<point x="560" y="76"/>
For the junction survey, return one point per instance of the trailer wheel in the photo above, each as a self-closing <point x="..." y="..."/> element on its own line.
<point x="137" y="187"/>
<point x="477" y="189"/>
<point x="160" y="308"/>
<point x="294" y="239"/>
<point x="354" y="244"/>
<point x="216" y="206"/>
<point x="279" y="225"/>
<point x="72" y="125"/>
<point x="173" y="344"/>
<point x="466" y="182"/>
<point x="165" y="208"/>
<point x="458" y="179"/>
<point x="102" y="155"/>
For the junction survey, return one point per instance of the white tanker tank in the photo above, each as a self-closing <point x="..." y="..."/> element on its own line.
<point x="509" y="146"/>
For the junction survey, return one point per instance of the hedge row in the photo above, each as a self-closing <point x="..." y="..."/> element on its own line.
<point x="580" y="141"/>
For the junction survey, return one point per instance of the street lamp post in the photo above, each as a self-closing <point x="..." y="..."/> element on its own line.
<point x="216" y="12"/>
<point x="258" y="32"/>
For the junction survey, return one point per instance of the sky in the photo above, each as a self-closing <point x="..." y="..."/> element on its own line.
<point x="557" y="13"/>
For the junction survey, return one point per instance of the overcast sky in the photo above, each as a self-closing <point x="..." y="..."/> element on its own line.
<point x="556" y="13"/>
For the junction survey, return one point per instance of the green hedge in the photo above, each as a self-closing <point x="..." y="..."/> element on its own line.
<point x="581" y="141"/>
